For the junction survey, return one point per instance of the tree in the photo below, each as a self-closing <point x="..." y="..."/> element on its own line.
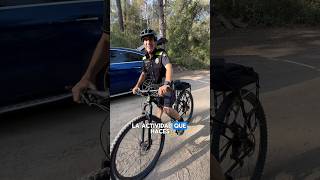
<point x="120" y="18"/>
<point x="162" y="25"/>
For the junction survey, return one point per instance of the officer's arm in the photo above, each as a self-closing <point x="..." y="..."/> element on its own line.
<point x="141" y="79"/>
<point x="168" y="72"/>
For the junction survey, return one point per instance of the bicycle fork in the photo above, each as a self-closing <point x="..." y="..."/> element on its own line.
<point x="146" y="144"/>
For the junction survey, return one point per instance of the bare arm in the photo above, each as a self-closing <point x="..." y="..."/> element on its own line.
<point x="140" y="81"/>
<point x="169" y="72"/>
<point x="164" y="89"/>
<point x="99" y="58"/>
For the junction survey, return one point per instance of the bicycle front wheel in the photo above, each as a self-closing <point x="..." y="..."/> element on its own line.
<point x="137" y="149"/>
<point x="239" y="144"/>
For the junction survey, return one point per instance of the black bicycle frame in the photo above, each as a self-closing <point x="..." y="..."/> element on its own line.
<point x="148" y="103"/>
<point x="238" y="95"/>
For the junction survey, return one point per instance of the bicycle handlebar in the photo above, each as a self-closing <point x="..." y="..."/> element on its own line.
<point x="96" y="98"/>
<point x="147" y="92"/>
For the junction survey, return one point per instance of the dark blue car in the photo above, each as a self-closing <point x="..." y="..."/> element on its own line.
<point x="125" y="69"/>
<point x="45" y="45"/>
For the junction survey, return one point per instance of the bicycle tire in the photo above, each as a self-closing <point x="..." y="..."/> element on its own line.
<point x="115" y="147"/>
<point x="218" y="128"/>
<point x="179" y="101"/>
<point x="105" y="137"/>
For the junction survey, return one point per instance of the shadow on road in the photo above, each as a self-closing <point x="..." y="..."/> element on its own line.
<point x="195" y="150"/>
<point x="303" y="166"/>
<point x="275" y="74"/>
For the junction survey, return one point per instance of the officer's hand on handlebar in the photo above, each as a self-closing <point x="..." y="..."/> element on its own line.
<point x="163" y="90"/>
<point x="135" y="90"/>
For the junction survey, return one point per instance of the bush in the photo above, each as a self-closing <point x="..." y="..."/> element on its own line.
<point x="271" y="12"/>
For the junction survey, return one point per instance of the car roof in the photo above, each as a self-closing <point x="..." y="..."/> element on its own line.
<point x="127" y="49"/>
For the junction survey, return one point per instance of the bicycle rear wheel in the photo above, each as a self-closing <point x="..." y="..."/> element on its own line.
<point x="105" y="141"/>
<point x="239" y="145"/>
<point x="184" y="105"/>
<point x="133" y="156"/>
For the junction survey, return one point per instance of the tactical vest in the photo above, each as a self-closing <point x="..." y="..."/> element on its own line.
<point x="155" y="69"/>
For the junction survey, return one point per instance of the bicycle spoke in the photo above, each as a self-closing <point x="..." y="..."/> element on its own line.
<point x="224" y="135"/>
<point x="128" y="148"/>
<point x="128" y="144"/>
<point x="147" y="161"/>
<point x="127" y="158"/>
<point x="226" y="151"/>
<point x="129" y="167"/>
<point x="140" y="160"/>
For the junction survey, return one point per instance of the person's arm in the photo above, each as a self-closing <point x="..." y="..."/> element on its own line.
<point x="139" y="83"/>
<point x="169" y="72"/>
<point x="98" y="60"/>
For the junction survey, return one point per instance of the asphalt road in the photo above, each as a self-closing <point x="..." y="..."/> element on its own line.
<point x="56" y="141"/>
<point x="61" y="140"/>
<point x="288" y="61"/>
<point x="183" y="157"/>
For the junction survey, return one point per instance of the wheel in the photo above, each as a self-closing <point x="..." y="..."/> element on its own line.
<point x="184" y="105"/>
<point x="240" y="146"/>
<point x="132" y="156"/>
<point x="105" y="140"/>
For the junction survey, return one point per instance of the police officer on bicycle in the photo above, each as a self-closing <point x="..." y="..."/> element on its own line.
<point x="158" y="69"/>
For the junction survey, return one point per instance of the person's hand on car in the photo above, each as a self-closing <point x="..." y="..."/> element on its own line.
<point x="83" y="84"/>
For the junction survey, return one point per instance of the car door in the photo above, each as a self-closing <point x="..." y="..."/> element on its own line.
<point x="125" y="70"/>
<point x="45" y="45"/>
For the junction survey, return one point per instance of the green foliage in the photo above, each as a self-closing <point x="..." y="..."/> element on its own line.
<point x="188" y="34"/>
<point x="133" y="24"/>
<point x="271" y="12"/>
<point x="187" y="29"/>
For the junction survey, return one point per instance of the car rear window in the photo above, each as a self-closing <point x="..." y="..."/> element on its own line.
<point x="124" y="56"/>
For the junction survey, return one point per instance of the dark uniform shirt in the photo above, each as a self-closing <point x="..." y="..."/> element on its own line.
<point x="154" y="67"/>
<point x="106" y="17"/>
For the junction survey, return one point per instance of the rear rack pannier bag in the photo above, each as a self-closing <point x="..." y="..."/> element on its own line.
<point x="180" y="85"/>
<point x="230" y="76"/>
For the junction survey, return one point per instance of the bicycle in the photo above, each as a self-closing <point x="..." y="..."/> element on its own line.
<point x="101" y="100"/>
<point x="147" y="140"/>
<point x="184" y="102"/>
<point x="239" y="130"/>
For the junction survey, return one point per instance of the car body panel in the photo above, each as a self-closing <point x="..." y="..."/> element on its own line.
<point x="45" y="47"/>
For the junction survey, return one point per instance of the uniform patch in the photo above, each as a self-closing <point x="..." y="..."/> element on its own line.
<point x="156" y="60"/>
